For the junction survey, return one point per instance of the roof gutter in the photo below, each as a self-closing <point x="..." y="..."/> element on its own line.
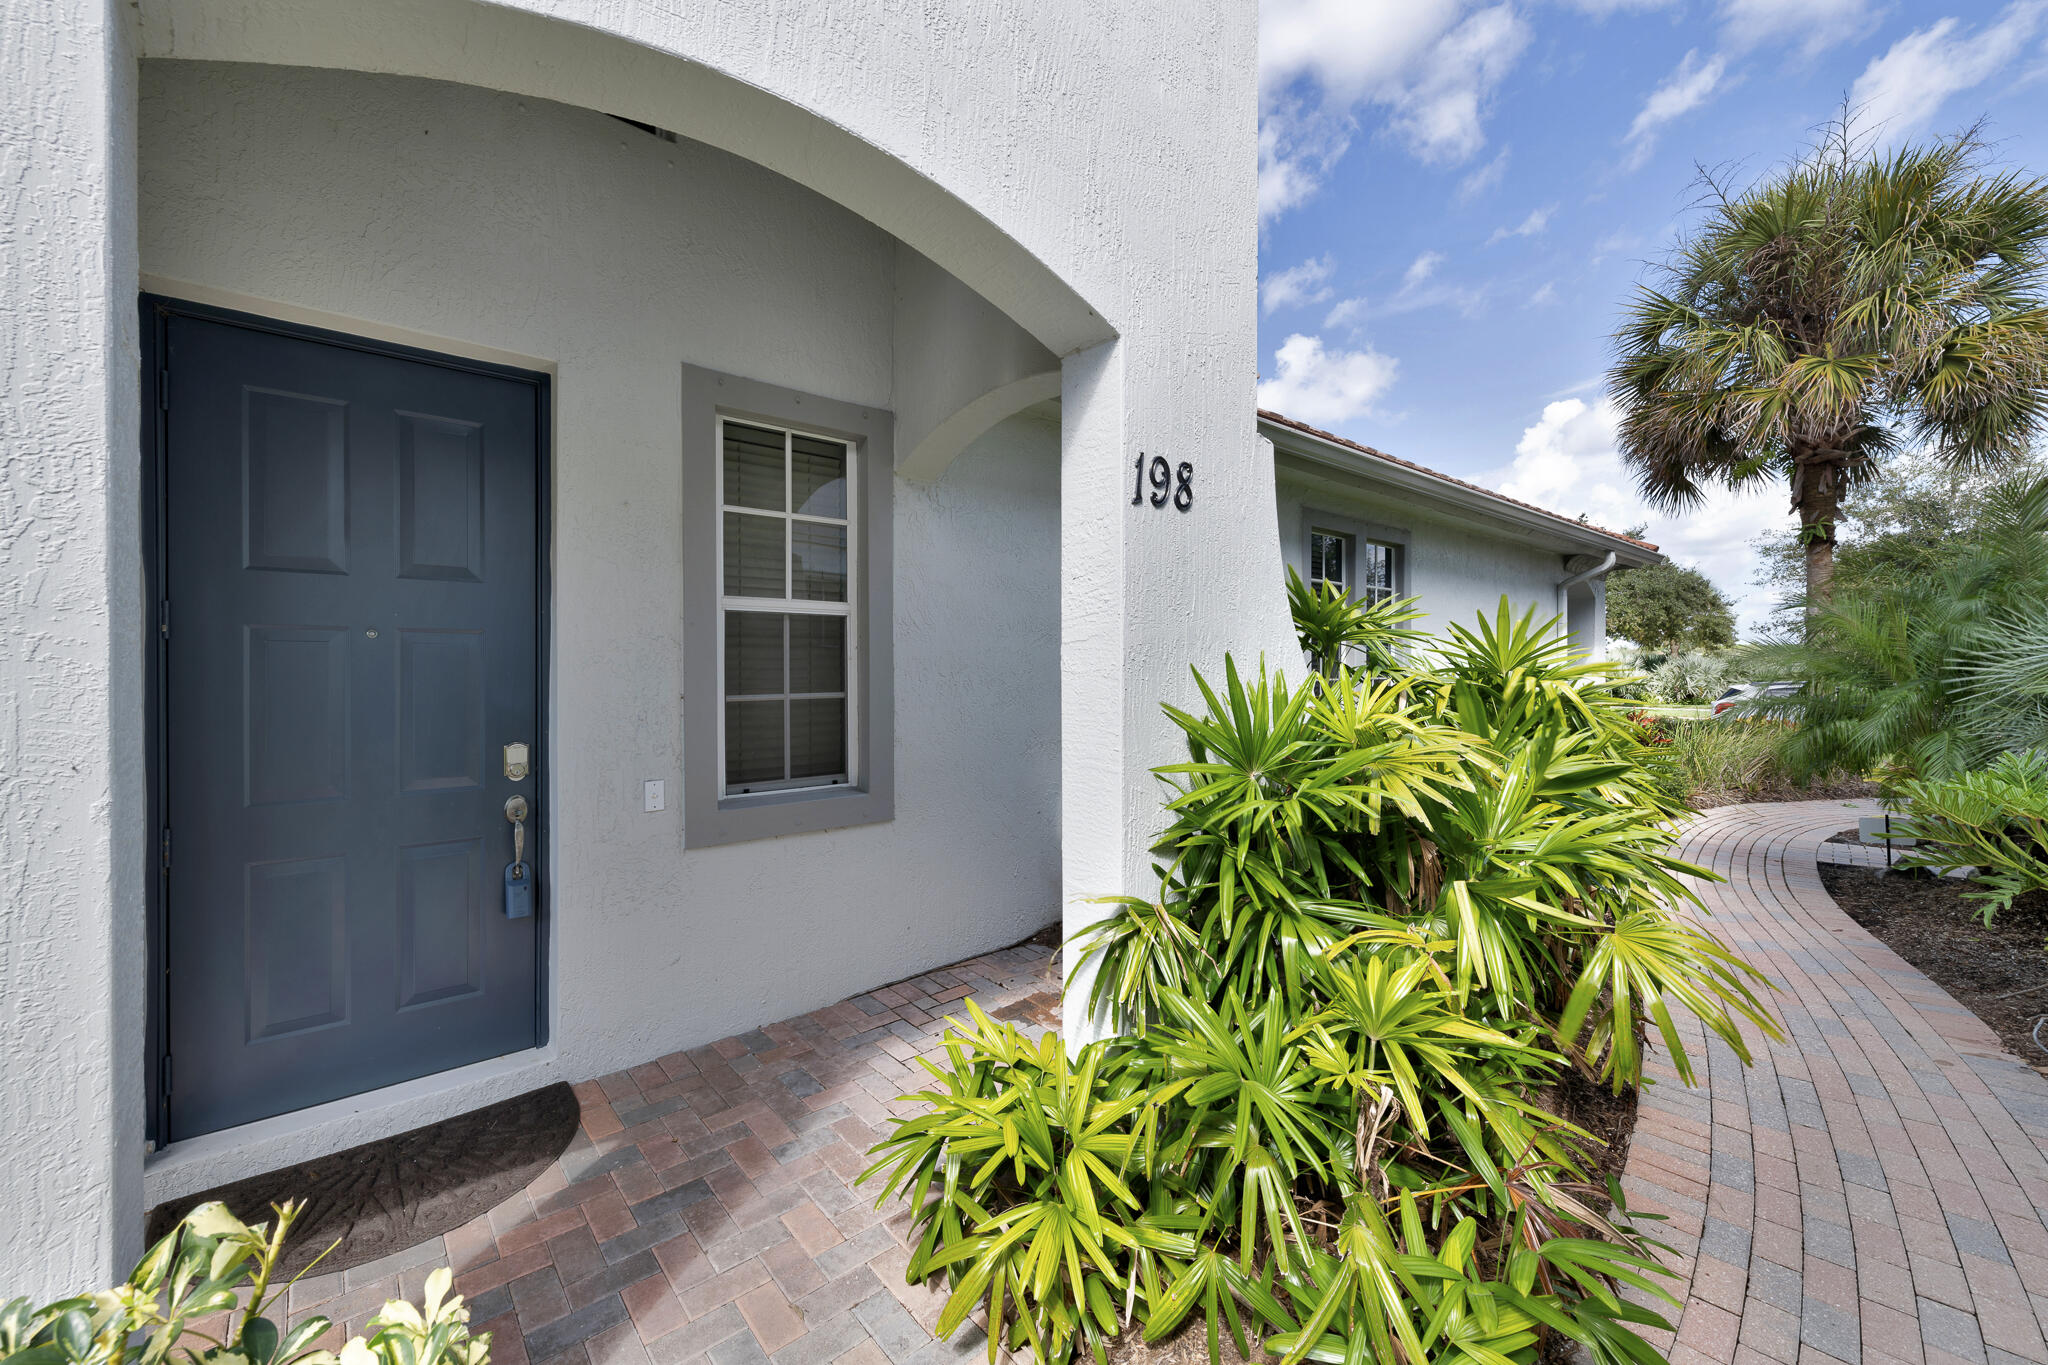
<point x="1447" y="492"/>
<point x="1565" y="585"/>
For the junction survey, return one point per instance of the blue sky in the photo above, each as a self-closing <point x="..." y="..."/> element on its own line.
<point x="1456" y="198"/>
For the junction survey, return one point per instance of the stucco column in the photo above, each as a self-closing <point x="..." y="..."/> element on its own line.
<point x="71" y="782"/>
<point x="1153" y="584"/>
<point x="1094" y="841"/>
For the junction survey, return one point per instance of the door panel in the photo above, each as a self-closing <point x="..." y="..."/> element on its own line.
<point x="351" y="561"/>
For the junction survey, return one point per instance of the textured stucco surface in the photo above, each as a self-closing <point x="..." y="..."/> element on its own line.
<point x="70" y="679"/>
<point x="1055" y="157"/>
<point x="948" y="393"/>
<point x="1457" y="570"/>
<point x="1089" y="170"/>
<point x="616" y="258"/>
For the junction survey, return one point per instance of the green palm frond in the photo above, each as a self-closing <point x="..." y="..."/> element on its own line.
<point x="1338" y="632"/>
<point x="1395" y="903"/>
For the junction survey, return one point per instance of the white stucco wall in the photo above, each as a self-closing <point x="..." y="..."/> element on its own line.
<point x="614" y="258"/>
<point x="70" y="663"/>
<point x="1458" y="570"/>
<point x="1088" y="169"/>
<point x="1091" y="169"/>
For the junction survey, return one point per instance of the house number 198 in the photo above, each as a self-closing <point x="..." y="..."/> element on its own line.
<point x="1181" y="483"/>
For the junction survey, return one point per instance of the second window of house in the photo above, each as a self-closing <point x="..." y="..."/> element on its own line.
<point x="1362" y="569"/>
<point x="786" y="608"/>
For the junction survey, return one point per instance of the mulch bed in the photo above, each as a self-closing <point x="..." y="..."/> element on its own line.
<point x="1999" y="973"/>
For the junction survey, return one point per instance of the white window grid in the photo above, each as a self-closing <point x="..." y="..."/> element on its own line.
<point x="1353" y="558"/>
<point x="790" y="605"/>
<point x="1380" y="585"/>
<point x="1341" y="544"/>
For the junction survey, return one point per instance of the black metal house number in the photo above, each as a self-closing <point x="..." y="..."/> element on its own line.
<point x="1178" y="484"/>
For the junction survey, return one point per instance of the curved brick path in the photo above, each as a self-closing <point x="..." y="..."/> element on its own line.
<point x="1874" y="1188"/>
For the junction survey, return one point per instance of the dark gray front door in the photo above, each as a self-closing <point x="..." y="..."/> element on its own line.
<point x="350" y="576"/>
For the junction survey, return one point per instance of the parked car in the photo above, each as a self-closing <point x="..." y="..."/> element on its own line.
<point x="1731" y="702"/>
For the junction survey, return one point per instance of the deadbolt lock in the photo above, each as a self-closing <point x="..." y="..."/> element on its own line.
<point x="515" y="761"/>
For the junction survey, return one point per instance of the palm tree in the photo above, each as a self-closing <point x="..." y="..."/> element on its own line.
<point x="1816" y="322"/>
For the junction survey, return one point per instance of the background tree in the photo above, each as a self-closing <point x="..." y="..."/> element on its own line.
<point x="1930" y="677"/>
<point x="1845" y="305"/>
<point x="1665" y="607"/>
<point x="1922" y="518"/>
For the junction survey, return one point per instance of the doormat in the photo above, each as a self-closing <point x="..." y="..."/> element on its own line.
<point x="384" y="1197"/>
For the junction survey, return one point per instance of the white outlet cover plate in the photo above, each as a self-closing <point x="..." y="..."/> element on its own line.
<point x="654" y="796"/>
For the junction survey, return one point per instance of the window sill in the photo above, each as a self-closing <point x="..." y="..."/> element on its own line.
<point x="769" y="815"/>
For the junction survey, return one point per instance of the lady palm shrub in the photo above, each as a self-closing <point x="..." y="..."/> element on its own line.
<point x="1018" y="1173"/>
<point x="1397" y="907"/>
<point x="1337" y="632"/>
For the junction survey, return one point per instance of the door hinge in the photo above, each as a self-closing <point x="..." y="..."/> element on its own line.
<point x="167" y="848"/>
<point x="163" y="1078"/>
<point x="163" y="618"/>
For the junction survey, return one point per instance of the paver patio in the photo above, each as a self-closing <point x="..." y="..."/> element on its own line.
<point x="705" y="1211"/>
<point x="1873" y="1188"/>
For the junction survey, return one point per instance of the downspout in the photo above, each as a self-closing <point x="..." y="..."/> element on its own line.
<point x="1565" y="585"/>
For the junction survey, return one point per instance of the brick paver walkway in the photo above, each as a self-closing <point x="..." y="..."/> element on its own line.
<point x="1872" y="1189"/>
<point x="706" y="1210"/>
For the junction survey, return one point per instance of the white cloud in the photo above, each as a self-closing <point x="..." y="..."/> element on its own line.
<point x="1600" y="9"/>
<point x="1443" y="112"/>
<point x="1431" y="66"/>
<point x="1583" y="386"/>
<point x="1300" y="284"/>
<point x="1691" y="84"/>
<point x="1347" y="313"/>
<point x="1421" y="268"/>
<point x="1619" y="240"/>
<point x="1351" y="48"/>
<point x="1907" y="85"/>
<point x="1322" y="386"/>
<point x="1570" y="462"/>
<point x="1297" y="147"/>
<point x="1420" y="288"/>
<point x="1537" y="220"/>
<point x="1546" y="294"/>
<point x="1485" y="178"/>
<point x="1813" y="26"/>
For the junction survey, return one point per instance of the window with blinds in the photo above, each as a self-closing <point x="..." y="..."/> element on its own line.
<point x="786" y="604"/>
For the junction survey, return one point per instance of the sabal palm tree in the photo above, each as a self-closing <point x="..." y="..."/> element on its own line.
<point x="1841" y="308"/>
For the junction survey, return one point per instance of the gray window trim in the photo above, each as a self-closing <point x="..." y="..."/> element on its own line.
<point x="708" y="817"/>
<point x="1354" y="530"/>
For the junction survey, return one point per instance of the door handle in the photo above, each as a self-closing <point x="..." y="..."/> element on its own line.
<point x="518" y="876"/>
<point x="516" y="811"/>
